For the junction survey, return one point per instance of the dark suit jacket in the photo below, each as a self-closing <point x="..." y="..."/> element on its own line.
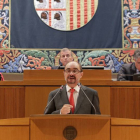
<point x="83" y="105"/>
<point x="126" y="72"/>
<point x="55" y="67"/>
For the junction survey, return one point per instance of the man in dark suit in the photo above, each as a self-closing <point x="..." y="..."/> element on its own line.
<point x="65" y="57"/>
<point x="73" y="97"/>
<point x="127" y="70"/>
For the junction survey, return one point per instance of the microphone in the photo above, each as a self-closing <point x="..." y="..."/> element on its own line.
<point x="53" y="98"/>
<point x="87" y="97"/>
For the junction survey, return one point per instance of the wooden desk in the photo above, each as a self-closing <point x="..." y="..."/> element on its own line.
<point x="24" y="98"/>
<point x="125" y="129"/>
<point x="14" y="129"/>
<point x="52" y="126"/>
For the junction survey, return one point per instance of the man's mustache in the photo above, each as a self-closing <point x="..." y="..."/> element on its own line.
<point x="71" y="77"/>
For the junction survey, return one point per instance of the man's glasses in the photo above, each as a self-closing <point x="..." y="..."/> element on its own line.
<point x="75" y="71"/>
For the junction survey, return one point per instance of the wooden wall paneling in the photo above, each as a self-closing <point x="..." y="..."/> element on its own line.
<point x="14" y="129"/>
<point x="58" y="74"/>
<point x="36" y="98"/>
<point x="125" y="129"/>
<point x="14" y="132"/>
<point x="125" y="132"/>
<point x="119" y="99"/>
<point x="43" y="74"/>
<point x="97" y="75"/>
<point x="115" y="103"/>
<point x="104" y="98"/>
<point x="12" y="102"/>
<point x="124" y="122"/>
<point x="125" y="102"/>
<point x="137" y="103"/>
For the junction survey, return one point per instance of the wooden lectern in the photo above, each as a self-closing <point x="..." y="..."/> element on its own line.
<point x="87" y="127"/>
<point x="52" y="127"/>
<point x="62" y="127"/>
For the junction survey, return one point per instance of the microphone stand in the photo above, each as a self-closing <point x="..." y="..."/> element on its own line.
<point x="87" y="98"/>
<point x="53" y="97"/>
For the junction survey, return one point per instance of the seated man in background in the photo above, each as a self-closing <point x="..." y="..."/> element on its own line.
<point x="73" y="98"/>
<point x="65" y="57"/>
<point x="127" y="70"/>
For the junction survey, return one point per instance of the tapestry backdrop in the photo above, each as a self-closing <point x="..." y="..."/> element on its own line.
<point x="30" y="37"/>
<point x="131" y="18"/>
<point x="29" y="31"/>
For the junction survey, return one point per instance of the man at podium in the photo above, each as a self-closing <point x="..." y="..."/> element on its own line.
<point x="73" y="98"/>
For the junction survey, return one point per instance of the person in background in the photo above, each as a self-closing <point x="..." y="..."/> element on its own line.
<point x="127" y="70"/>
<point x="65" y="57"/>
<point x="73" y="98"/>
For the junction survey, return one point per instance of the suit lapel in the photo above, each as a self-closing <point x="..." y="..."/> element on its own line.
<point x="64" y="96"/>
<point x="80" y="99"/>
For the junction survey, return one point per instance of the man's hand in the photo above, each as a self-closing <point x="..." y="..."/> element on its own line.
<point x="66" y="109"/>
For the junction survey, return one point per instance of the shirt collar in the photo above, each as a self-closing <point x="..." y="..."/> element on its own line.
<point x="137" y="71"/>
<point x="77" y="88"/>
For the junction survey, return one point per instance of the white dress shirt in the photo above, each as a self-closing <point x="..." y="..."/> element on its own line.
<point x="137" y="71"/>
<point x="75" y="94"/>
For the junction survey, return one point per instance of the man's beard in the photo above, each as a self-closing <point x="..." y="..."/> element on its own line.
<point x="71" y="80"/>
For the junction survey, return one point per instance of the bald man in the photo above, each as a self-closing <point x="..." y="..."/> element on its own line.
<point x="73" y="98"/>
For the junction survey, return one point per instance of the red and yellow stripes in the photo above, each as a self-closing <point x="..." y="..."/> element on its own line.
<point x="85" y="12"/>
<point x="78" y="14"/>
<point x="71" y="14"/>
<point x="80" y="10"/>
<point x="50" y="20"/>
<point x="1" y="4"/>
<point x="92" y="7"/>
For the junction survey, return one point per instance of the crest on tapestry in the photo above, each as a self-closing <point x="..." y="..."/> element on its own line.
<point x="66" y="15"/>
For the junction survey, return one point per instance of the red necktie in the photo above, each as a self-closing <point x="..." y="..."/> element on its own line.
<point x="71" y="100"/>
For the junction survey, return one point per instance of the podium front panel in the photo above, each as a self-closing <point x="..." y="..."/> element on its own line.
<point x="88" y="128"/>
